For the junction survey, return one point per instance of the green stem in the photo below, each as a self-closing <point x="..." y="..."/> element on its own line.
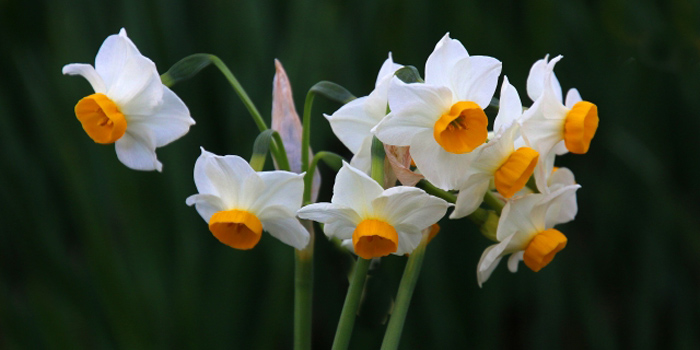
<point x="403" y="298"/>
<point x="303" y="293"/>
<point x="305" y="141"/>
<point x="479" y="216"/>
<point x="352" y="302"/>
<point x="378" y="155"/>
<point x="493" y="202"/>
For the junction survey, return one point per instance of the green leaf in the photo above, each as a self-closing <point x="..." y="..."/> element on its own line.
<point x="260" y="149"/>
<point x="333" y="91"/>
<point x="409" y="75"/>
<point x="186" y="68"/>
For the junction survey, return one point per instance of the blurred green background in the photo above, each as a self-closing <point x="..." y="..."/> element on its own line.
<point x="95" y="255"/>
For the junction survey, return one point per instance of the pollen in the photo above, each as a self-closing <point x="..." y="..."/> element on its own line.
<point x="374" y="238"/>
<point x="101" y="118"/>
<point x="512" y="176"/>
<point x="580" y="127"/>
<point x="462" y="129"/>
<point x="236" y="228"/>
<point x="542" y="248"/>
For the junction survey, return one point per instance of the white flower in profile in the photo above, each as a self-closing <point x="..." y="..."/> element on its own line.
<point x="501" y="159"/>
<point x="442" y="120"/>
<point x="239" y="203"/>
<point x="352" y="123"/>
<point x="552" y="127"/>
<point x="130" y="107"/>
<point x="379" y="222"/>
<point x="526" y="231"/>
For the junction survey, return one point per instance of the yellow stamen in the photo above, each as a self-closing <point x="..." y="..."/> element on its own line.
<point x="512" y="176"/>
<point x="462" y="129"/>
<point x="580" y="127"/>
<point x="543" y="247"/>
<point x="101" y="118"/>
<point x="236" y="228"/>
<point x="374" y="238"/>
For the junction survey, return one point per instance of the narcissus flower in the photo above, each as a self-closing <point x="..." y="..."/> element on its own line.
<point x="130" y="107"/>
<point x="379" y="222"/>
<point x="501" y="160"/>
<point x="239" y="203"/>
<point x="353" y="122"/>
<point x="443" y="119"/>
<point x="551" y="127"/>
<point x="526" y="231"/>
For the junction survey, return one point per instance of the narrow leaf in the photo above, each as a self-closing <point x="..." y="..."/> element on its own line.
<point x="409" y="74"/>
<point x="333" y="92"/>
<point x="260" y="149"/>
<point x="186" y="68"/>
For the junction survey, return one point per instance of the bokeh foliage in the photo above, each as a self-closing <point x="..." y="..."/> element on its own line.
<point x="95" y="255"/>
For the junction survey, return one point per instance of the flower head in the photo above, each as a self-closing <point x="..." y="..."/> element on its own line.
<point x="353" y="122"/>
<point x="526" y="231"/>
<point x="379" y="222"/>
<point x="130" y="107"/>
<point x="239" y="203"/>
<point x="443" y="119"/>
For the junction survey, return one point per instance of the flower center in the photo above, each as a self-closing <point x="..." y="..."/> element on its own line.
<point x="374" y="238"/>
<point x="101" y="118"/>
<point x="514" y="173"/>
<point x="236" y="228"/>
<point x="580" y="127"/>
<point x="462" y="129"/>
<point x="542" y="248"/>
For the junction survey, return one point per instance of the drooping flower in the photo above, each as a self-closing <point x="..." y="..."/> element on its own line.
<point x="130" y="107"/>
<point x="379" y="222"/>
<point x="501" y="159"/>
<point x="526" y="231"/>
<point x="552" y="127"/>
<point x="443" y="119"/>
<point x="239" y="203"/>
<point x="353" y="122"/>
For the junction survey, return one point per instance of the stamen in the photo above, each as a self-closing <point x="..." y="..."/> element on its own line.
<point x="543" y="247"/>
<point x="101" y="118"/>
<point x="580" y="127"/>
<point x="236" y="228"/>
<point x="374" y="238"/>
<point x="512" y="176"/>
<point x="462" y="129"/>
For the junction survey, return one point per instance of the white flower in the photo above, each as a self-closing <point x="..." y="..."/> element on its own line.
<point x="353" y="122"/>
<point x="443" y="119"/>
<point x="525" y="230"/>
<point x="378" y="221"/>
<point x="551" y="127"/>
<point x="501" y="159"/>
<point x="239" y="203"/>
<point x="130" y="106"/>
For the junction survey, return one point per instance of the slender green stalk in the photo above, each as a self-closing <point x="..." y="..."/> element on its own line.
<point x="305" y="141"/>
<point x="494" y="202"/>
<point x="403" y="298"/>
<point x="479" y="216"/>
<point x="378" y="155"/>
<point x="352" y="302"/>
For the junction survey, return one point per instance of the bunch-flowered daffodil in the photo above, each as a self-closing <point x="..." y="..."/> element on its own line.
<point x="239" y="203"/>
<point x="501" y="159"/>
<point x="443" y="119"/>
<point x="552" y="127"/>
<point x="130" y="107"/>
<point x="379" y="222"/>
<point x="526" y="231"/>
<point x="353" y="122"/>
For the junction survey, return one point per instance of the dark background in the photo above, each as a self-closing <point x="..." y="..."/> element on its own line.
<point x="95" y="255"/>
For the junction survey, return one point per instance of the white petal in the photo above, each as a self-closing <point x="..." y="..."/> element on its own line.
<point x="489" y="260"/>
<point x="137" y="150"/>
<point x="387" y="70"/>
<point x="351" y="124"/>
<point x="560" y="205"/>
<point x="510" y="108"/>
<point x="339" y="221"/>
<point x="362" y="160"/>
<point x="403" y="205"/>
<point x="520" y="217"/>
<point x="409" y="238"/>
<point x="229" y="177"/>
<point x="543" y="171"/>
<point x="282" y="188"/>
<point x="471" y="196"/>
<point x="206" y="205"/>
<point x="482" y="80"/>
<point x="87" y="72"/>
<point x="514" y="260"/>
<point x="128" y="75"/>
<point x="289" y="230"/>
<point x="170" y="121"/>
<point x="572" y="97"/>
<point x="354" y="189"/>
<point x="438" y="67"/>
<point x="443" y="169"/>
<point x="536" y="79"/>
